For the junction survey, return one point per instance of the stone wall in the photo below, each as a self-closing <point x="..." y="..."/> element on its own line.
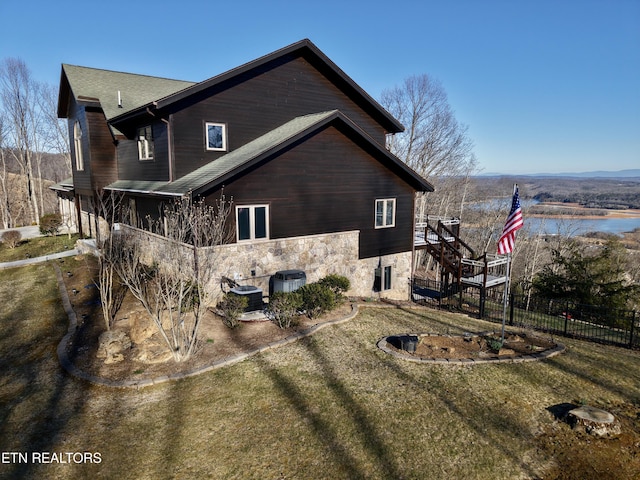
<point x="253" y="263"/>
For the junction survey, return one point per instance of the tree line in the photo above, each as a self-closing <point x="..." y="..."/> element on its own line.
<point x="34" y="146"/>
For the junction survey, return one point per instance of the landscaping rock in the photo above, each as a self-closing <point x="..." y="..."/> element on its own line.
<point x="594" y="421"/>
<point x="153" y="351"/>
<point x="111" y="344"/>
<point x="142" y="326"/>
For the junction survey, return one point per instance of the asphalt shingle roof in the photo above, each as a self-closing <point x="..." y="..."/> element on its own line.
<point x="103" y="85"/>
<point x="217" y="171"/>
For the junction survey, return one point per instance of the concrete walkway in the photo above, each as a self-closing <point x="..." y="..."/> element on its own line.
<point x="26" y="232"/>
<point x="45" y="258"/>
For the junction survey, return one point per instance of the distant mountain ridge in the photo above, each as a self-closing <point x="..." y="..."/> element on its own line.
<point x="628" y="173"/>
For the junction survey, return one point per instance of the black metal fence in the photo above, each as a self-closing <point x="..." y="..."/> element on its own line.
<point x="588" y="322"/>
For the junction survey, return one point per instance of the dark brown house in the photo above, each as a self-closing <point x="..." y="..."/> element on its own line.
<point x="296" y="143"/>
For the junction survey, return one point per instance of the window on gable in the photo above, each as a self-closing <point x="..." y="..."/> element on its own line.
<point x="252" y="222"/>
<point x="77" y="146"/>
<point x="385" y="213"/>
<point x="216" y="136"/>
<point x="145" y="143"/>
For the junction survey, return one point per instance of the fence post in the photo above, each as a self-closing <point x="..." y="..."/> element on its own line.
<point x="633" y="323"/>
<point x="566" y="317"/>
<point x="511" y="308"/>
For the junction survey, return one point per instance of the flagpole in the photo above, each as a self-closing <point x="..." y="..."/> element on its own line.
<point x="507" y="282"/>
<point x="506" y="296"/>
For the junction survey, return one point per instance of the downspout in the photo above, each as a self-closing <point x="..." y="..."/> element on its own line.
<point x="78" y="214"/>
<point x="413" y="247"/>
<point x="169" y="145"/>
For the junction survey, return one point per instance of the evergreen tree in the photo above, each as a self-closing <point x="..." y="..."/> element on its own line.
<point x="597" y="279"/>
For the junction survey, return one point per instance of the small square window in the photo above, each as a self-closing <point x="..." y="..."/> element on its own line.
<point x="385" y="213"/>
<point x="216" y="136"/>
<point x="145" y="143"/>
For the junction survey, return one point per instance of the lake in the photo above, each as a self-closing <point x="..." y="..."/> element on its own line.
<point x="573" y="226"/>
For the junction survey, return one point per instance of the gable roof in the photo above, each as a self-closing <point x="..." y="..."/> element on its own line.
<point x="219" y="171"/>
<point x="104" y="88"/>
<point x="304" y="48"/>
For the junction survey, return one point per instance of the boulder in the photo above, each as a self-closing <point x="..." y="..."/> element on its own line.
<point x="111" y="344"/>
<point x="153" y="351"/>
<point x="594" y="421"/>
<point x="141" y="326"/>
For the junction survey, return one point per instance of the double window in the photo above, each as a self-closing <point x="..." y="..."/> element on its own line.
<point x="215" y="136"/>
<point x="252" y="222"/>
<point x="145" y="143"/>
<point x="77" y="146"/>
<point x="385" y="212"/>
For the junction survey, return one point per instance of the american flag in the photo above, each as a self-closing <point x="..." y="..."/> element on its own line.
<point x="514" y="223"/>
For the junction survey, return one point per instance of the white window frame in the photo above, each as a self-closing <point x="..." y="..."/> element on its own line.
<point x="252" y="222"/>
<point x="386" y="204"/>
<point x="223" y="128"/>
<point x="77" y="145"/>
<point x="145" y="143"/>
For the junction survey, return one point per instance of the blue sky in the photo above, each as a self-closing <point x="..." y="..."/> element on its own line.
<point x="543" y="86"/>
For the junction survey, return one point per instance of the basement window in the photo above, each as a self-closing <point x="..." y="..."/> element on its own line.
<point x="216" y="136"/>
<point x="145" y="143"/>
<point x="382" y="279"/>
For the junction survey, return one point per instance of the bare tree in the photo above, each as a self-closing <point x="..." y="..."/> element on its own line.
<point x="55" y="134"/>
<point x="110" y="208"/>
<point x="18" y="95"/>
<point x="174" y="290"/>
<point x="434" y="143"/>
<point x="5" y="207"/>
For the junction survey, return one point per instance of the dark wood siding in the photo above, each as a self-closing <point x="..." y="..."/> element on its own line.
<point x="130" y="168"/>
<point x="82" y="178"/>
<point x="325" y="184"/>
<point x="256" y="103"/>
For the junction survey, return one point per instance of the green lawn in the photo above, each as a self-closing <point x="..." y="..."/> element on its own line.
<point x="36" y="247"/>
<point x="332" y="406"/>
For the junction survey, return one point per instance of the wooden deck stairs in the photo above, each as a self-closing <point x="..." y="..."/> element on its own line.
<point x="460" y="267"/>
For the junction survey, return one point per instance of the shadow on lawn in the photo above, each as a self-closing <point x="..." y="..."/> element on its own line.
<point x="52" y="397"/>
<point x="336" y="448"/>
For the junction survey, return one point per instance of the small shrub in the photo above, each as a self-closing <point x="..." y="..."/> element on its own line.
<point x="283" y="308"/>
<point x="50" y="223"/>
<point x="494" y="344"/>
<point x="232" y="307"/>
<point x="11" y="238"/>
<point x="337" y="283"/>
<point x="317" y="299"/>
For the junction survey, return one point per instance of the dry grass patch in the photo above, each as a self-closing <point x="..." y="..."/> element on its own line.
<point x="329" y="406"/>
<point x="37" y="247"/>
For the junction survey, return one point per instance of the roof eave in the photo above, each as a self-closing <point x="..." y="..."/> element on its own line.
<point x="389" y="122"/>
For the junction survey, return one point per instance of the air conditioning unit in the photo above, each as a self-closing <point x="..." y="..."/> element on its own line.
<point x="287" y="281"/>
<point x="253" y="295"/>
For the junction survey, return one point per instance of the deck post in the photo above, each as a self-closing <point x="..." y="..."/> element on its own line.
<point x="511" y="308"/>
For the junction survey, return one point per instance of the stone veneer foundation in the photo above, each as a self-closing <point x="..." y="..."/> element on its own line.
<point x="318" y="255"/>
<point x="253" y="263"/>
